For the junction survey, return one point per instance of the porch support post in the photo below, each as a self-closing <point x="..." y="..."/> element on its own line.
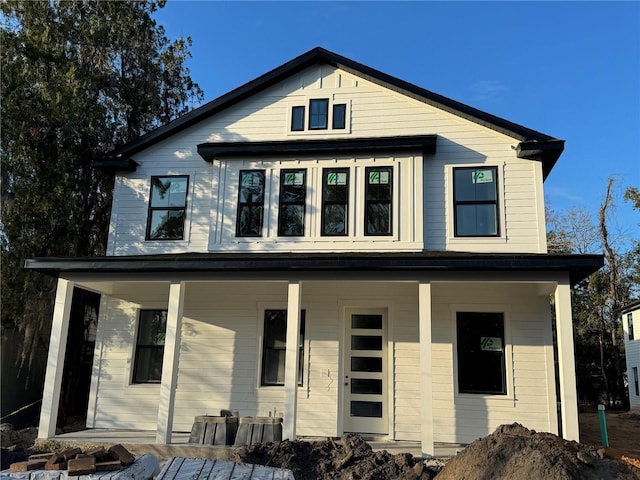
<point x="291" y="362"/>
<point x="566" y="361"/>
<point x="55" y="359"/>
<point x="426" y="379"/>
<point x="170" y="362"/>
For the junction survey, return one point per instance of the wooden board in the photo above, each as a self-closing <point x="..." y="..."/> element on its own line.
<point x="178" y="468"/>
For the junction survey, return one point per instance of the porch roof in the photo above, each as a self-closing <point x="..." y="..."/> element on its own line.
<point x="577" y="266"/>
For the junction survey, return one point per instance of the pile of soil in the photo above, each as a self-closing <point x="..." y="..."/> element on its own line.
<point x="17" y="445"/>
<point x="353" y="459"/>
<point x="516" y="453"/>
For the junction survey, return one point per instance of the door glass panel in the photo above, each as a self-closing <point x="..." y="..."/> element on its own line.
<point x="366" y="342"/>
<point x="366" y="409"/>
<point x="366" y="364"/>
<point x="366" y="386"/>
<point x="373" y="322"/>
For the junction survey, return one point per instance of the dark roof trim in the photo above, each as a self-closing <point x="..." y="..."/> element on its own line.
<point x="121" y="165"/>
<point x="578" y="266"/>
<point x="424" y="143"/>
<point x="546" y="152"/>
<point x="320" y="55"/>
<point x="630" y="307"/>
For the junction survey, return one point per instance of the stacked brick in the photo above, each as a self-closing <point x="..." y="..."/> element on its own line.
<point x="78" y="462"/>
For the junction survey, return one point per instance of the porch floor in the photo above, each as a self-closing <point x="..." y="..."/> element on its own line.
<point x="143" y="441"/>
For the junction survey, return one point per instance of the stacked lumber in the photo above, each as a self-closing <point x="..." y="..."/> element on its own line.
<point x="78" y="462"/>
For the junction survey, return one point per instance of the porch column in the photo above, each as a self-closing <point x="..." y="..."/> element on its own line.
<point x="426" y="386"/>
<point x="55" y="359"/>
<point x="566" y="361"/>
<point x="291" y="362"/>
<point x="170" y="362"/>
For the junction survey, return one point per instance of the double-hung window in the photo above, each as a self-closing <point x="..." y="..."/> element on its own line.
<point x="152" y="327"/>
<point x="335" y="201"/>
<point x="250" y="203"/>
<point x="291" y="209"/>
<point x="378" y="200"/>
<point x="274" y="347"/>
<point x="475" y="198"/>
<point x="167" y="208"/>
<point x="481" y="353"/>
<point x="318" y="114"/>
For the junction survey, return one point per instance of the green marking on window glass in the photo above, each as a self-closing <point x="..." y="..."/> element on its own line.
<point x="384" y="178"/>
<point x="332" y="179"/>
<point x="374" y="176"/>
<point x="482" y="176"/>
<point x="342" y="179"/>
<point x="178" y="186"/>
<point x="491" y="344"/>
<point x="294" y="178"/>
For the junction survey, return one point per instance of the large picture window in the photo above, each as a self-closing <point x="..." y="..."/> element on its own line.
<point x="335" y="201"/>
<point x="250" y="203"/>
<point x="167" y="208"/>
<point x="481" y="357"/>
<point x="152" y="327"/>
<point x="293" y="193"/>
<point x="274" y="347"/>
<point x="378" y="198"/>
<point x="475" y="198"/>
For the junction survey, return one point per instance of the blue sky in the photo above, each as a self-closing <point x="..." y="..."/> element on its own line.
<point x="568" y="69"/>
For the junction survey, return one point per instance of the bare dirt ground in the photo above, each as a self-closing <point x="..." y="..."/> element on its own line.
<point x="623" y="429"/>
<point x="512" y="452"/>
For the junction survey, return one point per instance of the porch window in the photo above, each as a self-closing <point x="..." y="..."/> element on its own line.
<point x="293" y="192"/>
<point x="167" y="208"/>
<point x="481" y="358"/>
<point x="250" y="203"/>
<point x="378" y="197"/>
<point x="274" y="347"/>
<point x="335" y="201"/>
<point x="475" y="198"/>
<point x="630" y="325"/>
<point x="152" y="327"/>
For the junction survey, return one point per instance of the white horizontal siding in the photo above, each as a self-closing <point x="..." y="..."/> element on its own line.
<point x="374" y="111"/>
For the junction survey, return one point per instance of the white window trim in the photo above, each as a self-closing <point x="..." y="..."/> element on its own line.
<point x="502" y="219"/>
<point x="487" y="398"/>
<point x="329" y="131"/>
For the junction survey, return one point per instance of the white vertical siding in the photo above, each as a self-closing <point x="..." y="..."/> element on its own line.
<point x="632" y="354"/>
<point x="373" y="111"/>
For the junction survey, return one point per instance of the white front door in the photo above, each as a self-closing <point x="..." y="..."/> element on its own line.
<point x="365" y="371"/>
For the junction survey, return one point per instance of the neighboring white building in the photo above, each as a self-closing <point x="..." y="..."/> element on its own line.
<point x="630" y="313"/>
<point x="334" y="245"/>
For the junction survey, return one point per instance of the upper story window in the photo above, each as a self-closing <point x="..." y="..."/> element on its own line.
<point x="475" y="198"/>
<point x="291" y="210"/>
<point x="297" y="118"/>
<point x="339" y="116"/>
<point x="152" y="327"/>
<point x="250" y="203"/>
<point x="378" y="200"/>
<point x="335" y="201"/>
<point x="167" y="208"/>
<point x="481" y="353"/>
<point x="630" y="325"/>
<point x="319" y="114"/>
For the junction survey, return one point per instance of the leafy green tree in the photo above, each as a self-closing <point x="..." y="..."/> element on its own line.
<point x="78" y="78"/>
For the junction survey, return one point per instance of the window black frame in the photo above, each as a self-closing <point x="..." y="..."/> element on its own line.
<point x="283" y="202"/>
<point x="324" y="102"/>
<point x="474" y="360"/>
<point x="266" y="348"/>
<point x="250" y="204"/>
<point x="495" y="202"/>
<point x="377" y="200"/>
<point x="151" y="209"/>
<point x="142" y="347"/>
<point x="630" y="326"/>
<point x="636" y="381"/>
<point x="330" y="202"/>
<point x="339" y="116"/>
<point x="297" y="122"/>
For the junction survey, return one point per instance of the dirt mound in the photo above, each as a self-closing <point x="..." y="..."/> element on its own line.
<point x="16" y="444"/>
<point x="352" y="459"/>
<point x="516" y="453"/>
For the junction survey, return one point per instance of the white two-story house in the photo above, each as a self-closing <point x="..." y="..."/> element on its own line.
<point x="632" y="351"/>
<point x="332" y="245"/>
